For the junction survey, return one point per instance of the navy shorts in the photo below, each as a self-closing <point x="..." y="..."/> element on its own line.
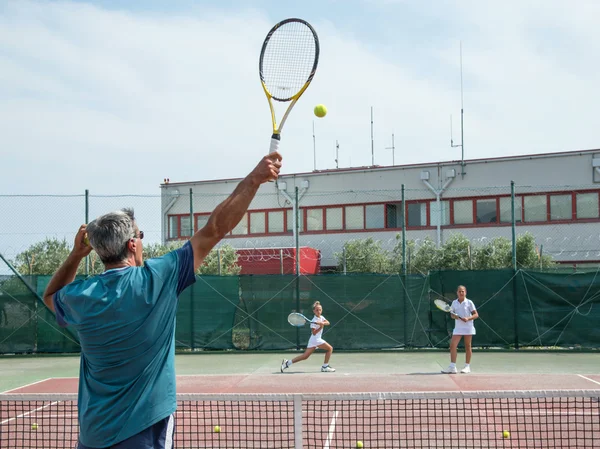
<point x="157" y="436"/>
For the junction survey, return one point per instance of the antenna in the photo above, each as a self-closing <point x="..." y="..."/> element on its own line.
<point x="462" y="113"/>
<point x="314" y="149"/>
<point x="337" y="152"/>
<point x="393" y="148"/>
<point x="372" y="145"/>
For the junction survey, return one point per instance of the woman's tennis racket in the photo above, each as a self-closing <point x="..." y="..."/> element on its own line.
<point x="297" y="319"/>
<point x="288" y="61"/>
<point x="442" y="305"/>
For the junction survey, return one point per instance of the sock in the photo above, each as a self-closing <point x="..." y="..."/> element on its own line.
<point x="452" y="365"/>
<point x="325" y="365"/>
<point x="288" y="363"/>
<point x="467" y="364"/>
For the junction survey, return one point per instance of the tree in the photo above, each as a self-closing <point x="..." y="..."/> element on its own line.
<point x="397" y="254"/>
<point x="364" y="256"/>
<point x="152" y="250"/>
<point x="425" y="258"/>
<point x="494" y="255"/>
<point x="228" y="257"/>
<point x="44" y="257"/>
<point x="455" y="254"/>
<point x="528" y="255"/>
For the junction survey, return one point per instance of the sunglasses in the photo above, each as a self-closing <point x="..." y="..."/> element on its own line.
<point x="139" y="236"/>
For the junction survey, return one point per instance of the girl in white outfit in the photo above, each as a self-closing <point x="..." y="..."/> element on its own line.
<point x="464" y="312"/>
<point x="316" y="341"/>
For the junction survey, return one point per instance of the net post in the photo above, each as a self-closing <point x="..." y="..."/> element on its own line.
<point x="514" y="263"/>
<point x="192" y="324"/>
<point x="298" y="421"/>
<point x="404" y="267"/>
<point x="297" y="246"/>
<point x="87" y="220"/>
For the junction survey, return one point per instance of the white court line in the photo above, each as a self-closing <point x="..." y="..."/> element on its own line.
<point x="587" y="378"/>
<point x="331" y="430"/>
<point x="28" y="385"/>
<point x="28" y="413"/>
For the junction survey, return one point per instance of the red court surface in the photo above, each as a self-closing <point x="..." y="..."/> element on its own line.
<point x="357" y="383"/>
<point x="381" y="414"/>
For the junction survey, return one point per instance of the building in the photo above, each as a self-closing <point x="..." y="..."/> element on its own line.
<point x="556" y="199"/>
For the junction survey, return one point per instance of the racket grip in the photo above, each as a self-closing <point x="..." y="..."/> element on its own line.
<point x="275" y="139"/>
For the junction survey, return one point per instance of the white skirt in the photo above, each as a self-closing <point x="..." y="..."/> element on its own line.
<point x="314" y="342"/>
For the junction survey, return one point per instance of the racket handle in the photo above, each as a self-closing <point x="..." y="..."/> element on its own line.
<point x="275" y="139"/>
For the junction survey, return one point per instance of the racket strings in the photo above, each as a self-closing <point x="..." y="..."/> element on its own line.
<point x="288" y="60"/>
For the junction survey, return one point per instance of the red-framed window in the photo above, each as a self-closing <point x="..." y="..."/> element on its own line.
<point x="530" y="208"/>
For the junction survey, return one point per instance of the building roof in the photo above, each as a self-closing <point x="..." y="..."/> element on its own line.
<point x="410" y="166"/>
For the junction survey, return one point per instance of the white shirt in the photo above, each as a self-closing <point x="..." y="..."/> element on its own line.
<point x="316" y="340"/>
<point x="464" y="310"/>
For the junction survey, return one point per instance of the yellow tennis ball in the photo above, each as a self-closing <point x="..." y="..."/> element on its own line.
<point x="359" y="444"/>
<point x="86" y="240"/>
<point x="506" y="434"/>
<point x="34" y="426"/>
<point x="320" y="110"/>
<point x="217" y="429"/>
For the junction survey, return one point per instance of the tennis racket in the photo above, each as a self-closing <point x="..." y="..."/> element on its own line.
<point x="288" y="61"/>
<point x="442" y="305"/>
<point x="297" y="319"/>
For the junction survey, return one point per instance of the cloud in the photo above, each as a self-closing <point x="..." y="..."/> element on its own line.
<point x="116" y="100"/>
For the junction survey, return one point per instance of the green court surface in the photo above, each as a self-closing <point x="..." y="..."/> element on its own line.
<point x="21" y="370"/>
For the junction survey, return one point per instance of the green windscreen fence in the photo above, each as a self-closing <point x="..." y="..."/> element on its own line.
<point x="26" y="325"/>
<point x="245" y="313"/>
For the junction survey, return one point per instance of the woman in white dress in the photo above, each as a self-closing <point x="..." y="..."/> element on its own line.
<point x="464" y="312"/>
<point x="315" y="341"/>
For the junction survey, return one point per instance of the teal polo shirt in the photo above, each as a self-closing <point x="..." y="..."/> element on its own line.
<point x="125" y="319"/>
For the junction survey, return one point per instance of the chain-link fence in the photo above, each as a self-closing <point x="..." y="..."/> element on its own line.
<point x="345" y="231"/>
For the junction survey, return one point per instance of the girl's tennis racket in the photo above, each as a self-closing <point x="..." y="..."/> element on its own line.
<point x="297" y="319"/>
<point x="288" y="61"/>
<point x="442" y="305"/>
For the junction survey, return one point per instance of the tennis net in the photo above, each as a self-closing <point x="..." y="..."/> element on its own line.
<point x="478" y="419"/>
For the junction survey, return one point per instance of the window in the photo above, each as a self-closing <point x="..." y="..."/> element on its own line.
<point x="334" y="218"/>
<point x="242" y="226"/>
<point x="444" y="207"/>
<point x="561" y="207"/>
<point x="173" y="227"/>
<point x="535" y="208"/>
<point x="463" y="212"/>
<point x="314" y="219"/>
<point x="486" y="211"/>
<point x="276" y="221"/>
<point x="355" y="217"/>
<point x="201" y="221"/>
<point x="587" y="205"/>
<point x="417" y="214"/>
<point x="258" y="223"/>
<point x="375" y="217"/>
<point x="505" y="210"/>
<point x="290" y="220"/>
<point x="393" y="214"/>
<point x="185" y="226"/>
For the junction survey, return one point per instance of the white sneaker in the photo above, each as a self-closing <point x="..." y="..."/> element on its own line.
<point x="450" y="370"/>
<point x="466" y="370"/>
<point x="284" y="365"/>
<point x="327" y="369"/>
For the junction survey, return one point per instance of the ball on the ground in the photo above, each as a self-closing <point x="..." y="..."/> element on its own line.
<point x="34" y="426"/>
<point x="217" y="429"/>
<point x="506" y="434"/>
<point x="320" y="110"/>
<point x="359" y="444"/>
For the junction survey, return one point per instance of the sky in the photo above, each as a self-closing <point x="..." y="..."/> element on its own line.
<point x="115" y="96"/>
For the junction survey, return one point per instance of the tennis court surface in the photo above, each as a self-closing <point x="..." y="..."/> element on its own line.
<point x="340" y="410"/>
